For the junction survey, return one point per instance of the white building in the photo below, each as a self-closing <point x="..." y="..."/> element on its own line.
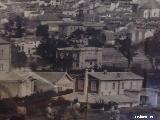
<point x="55" y="2"/>
<point x="13" y="84"/>
<point x="114" y="83"/>
<point x="27" y="44"/>
<point x="150" y="9"/>
<point x="107" y="86"/>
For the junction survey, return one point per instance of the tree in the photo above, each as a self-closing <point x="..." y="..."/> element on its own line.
<point x="126" y="48"/>
<point x="48" y="48"/>
<point x="15" y="27"/>
<point x="152" y="48"/>
<point x="42" y="30"/>
<point x="19" y="58"/>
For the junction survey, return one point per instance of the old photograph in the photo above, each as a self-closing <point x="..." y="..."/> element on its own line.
<point x="79" y="59"/>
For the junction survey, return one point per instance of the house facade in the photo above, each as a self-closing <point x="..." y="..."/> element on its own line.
<point x="82" y="57"/>
<point x="108" y="86"/>
<point x="12" y="84"/>
<point x="150" y="10"/>
<point x="27" y="44"/>
<point x="145" y="96"/>
<point x="5" y="56"/>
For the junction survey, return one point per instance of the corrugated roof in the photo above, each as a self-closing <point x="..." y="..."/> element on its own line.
<point x="10" y="76"/>
<point x="115" y="76"/>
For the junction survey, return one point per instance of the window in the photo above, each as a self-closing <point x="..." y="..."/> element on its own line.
<point x="59" y="89"/>
<point x="131" y="85"/>
<point x="106" y="86"/>
<point x="113" y="86"/>
<point x="122" y="85"/>
<point x="80" y="85"/>
<point x="1" y="67"/>
<point x="1" y="52"/>
<point x="93" y="86"/>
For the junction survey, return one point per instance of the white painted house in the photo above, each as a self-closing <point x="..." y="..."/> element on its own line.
<point x="13" y="84"/>
<point x="109" y="86"/>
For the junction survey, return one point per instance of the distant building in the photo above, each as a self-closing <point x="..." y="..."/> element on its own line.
<point x="82" y="57"/>
<point x="55" y="2"/>
<point x="31" y="12"/>
<point x="138" y="32"/>
<point x="95" y="25"/>
<point x="5" y="55"/>
<point x="67" y="28"/>
<point x="52" y="20"/>
<point x="27" y="44"/>
<point x="71" y="12"/>
<point x="110" y="37"/>
<point x="150" y="10"/>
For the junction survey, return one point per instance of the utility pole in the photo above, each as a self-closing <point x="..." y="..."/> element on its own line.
<point x="86" y="92"/>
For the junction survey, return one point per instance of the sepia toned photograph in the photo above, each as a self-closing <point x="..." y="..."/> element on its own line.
<point x="79" y="59"/>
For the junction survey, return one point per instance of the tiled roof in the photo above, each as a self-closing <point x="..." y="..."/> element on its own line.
<point x="110" y="76"/>
<point x="52" y="76"/>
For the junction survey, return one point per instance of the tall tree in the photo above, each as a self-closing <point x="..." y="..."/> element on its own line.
<point x="19" y="58"/>
<point x="152" y="48"/>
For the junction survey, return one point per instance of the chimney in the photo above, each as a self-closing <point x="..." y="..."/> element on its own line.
<point x="86" y="82"/>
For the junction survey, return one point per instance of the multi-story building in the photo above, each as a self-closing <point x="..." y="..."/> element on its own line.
<point x="82" y="57"/>
<point x="150" y="10"/>
<point x="67" y="28"/>
<point x="52" y="20"/>
<point x="5" y="55"/>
